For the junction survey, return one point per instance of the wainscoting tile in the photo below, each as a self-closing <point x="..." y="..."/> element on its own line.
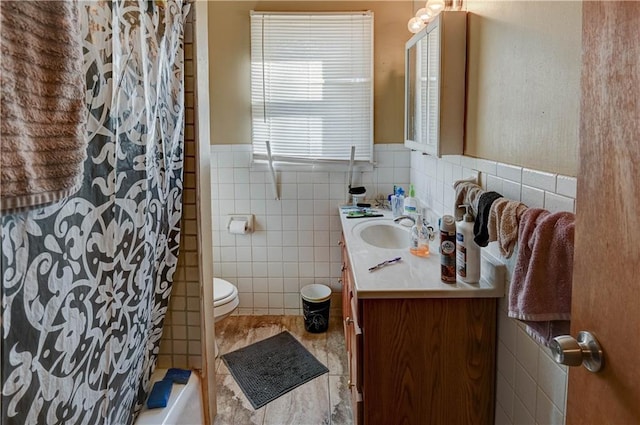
<point x="510" y="172"/>
<point x="555" y="203"/>
<point x="566" y="186"/>
<point x="532" y="197"/>
<point x="539" y="179"/>
<point x="546" y="411"/>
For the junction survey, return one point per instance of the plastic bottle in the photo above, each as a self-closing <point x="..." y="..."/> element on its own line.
<point x="419" y="238"/>
<point x="448" y="249"/>
<point x="397" y="202"/>
<point x="411" y="203"/>
<point x="467" y="251"/>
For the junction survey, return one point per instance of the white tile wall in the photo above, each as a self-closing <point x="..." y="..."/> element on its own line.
<point x="296" y="238"/>
<point x="530" y="387"/>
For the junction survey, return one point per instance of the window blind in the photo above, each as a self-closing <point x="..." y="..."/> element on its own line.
<point x="312" y="86"/>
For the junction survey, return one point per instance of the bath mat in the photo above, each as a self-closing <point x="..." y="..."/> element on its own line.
<point x="267" y="369"/>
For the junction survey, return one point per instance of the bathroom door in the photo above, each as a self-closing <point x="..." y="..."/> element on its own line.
<point x="606" y="278"/>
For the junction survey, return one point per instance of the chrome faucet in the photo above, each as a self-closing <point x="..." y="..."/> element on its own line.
<point x="430" y="229"/>
<point x="402" y="217"/>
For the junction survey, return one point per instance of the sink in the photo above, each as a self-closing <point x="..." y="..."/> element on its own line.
<point x="383" y="234"/>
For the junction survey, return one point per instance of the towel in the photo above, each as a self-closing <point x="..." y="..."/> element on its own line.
<point x="504" y="219"/>
<point x="464" y="188"/>
<point x="540" y="291"/>
<point x="473" y="195"/>
<point x="480" y="227"/>
<point x="42" y="107"/>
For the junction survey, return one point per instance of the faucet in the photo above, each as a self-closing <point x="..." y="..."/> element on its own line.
<point x="402" y="217"/>
<point x="430" y="230"/>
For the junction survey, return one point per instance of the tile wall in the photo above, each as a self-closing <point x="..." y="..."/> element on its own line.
<point x="295" y="242"/>
<point x="180" y="345"/>
<point x="531" y="387"/>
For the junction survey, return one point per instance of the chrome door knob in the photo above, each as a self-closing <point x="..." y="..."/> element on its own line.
<point x="584" y="351"/>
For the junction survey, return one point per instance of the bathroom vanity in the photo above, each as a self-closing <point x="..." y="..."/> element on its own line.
<point x="419" y="351"/>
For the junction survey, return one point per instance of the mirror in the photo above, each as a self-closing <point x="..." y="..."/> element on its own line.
<point x="435" y="86"/>
<point x="421" y="90"/>
<point x="410" y="87"/>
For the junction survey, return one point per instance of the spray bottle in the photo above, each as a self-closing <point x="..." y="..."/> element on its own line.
<point x="448" y="249"/>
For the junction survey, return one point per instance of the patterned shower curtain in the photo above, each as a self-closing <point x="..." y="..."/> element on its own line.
<point x="86" y="281"/>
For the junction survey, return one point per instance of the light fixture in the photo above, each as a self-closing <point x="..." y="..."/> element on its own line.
<point x="415" y="24"/>
<point x="424" y="14"/>
<point x="436" y="6"/>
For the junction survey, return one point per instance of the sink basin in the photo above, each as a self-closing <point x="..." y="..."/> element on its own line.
<point x="383" y="234"/>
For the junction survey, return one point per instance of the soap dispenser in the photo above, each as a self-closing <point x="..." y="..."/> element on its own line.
<point x="467" y="251"/>
<point x="411" y="203"/>
<point x="420" y="237"/>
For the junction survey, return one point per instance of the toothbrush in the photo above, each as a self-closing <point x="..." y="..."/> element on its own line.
<point x="385" y="263"/>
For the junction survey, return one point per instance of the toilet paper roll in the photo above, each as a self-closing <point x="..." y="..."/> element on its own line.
<point x="238" y="227"/>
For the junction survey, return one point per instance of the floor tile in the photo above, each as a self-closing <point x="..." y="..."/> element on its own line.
<point x="323" y="400"/>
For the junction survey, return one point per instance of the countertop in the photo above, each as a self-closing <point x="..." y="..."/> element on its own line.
<point x="412" y="277"/>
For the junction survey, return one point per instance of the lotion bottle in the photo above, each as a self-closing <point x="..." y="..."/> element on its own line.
<point x="467" y="251"/>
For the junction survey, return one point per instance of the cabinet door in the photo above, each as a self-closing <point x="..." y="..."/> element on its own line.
<point x="435" y="69"/>
<point x="355" y="365"/>
<point x="431" y="75"/>
<point x="346" y="291"/>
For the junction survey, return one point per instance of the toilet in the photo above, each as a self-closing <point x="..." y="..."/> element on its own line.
<point x="225" y="301"/>
<point x="225" y="298"/>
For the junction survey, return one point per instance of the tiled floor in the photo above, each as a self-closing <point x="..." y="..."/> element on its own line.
<point x="324" y="400"/>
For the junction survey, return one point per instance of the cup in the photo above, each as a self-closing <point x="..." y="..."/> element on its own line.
<point x="397" y="205"/>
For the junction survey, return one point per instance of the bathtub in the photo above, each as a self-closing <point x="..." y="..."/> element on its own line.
<point x="184" y="406"/>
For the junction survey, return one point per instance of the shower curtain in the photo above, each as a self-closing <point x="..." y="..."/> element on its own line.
<point x="86" y="281"/>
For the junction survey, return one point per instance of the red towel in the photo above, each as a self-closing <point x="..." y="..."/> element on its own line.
<point x="540" y="291"/>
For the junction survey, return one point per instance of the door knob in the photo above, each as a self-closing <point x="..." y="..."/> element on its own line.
<point x="584" y="351"/>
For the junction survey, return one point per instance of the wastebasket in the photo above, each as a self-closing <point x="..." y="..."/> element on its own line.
<point x="316" y="302"/>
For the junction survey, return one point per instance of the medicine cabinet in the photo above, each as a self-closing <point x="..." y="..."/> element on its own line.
<point x="435" y="66"/>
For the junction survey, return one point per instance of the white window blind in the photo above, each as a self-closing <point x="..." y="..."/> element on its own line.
<point x="312" y="86"/>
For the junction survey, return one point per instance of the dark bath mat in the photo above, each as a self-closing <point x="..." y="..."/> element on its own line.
<point x="267" y="369"/>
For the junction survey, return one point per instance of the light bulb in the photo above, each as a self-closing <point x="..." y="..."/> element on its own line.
<point x="415" y="25"/>
<point x="424" y="15"/>
<point x="436" y="6"/>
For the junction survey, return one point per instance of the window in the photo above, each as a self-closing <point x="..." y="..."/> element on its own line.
<point x="312" y="86"/>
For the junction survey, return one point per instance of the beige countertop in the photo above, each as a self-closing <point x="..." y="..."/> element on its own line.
<point x="412" y="277"/>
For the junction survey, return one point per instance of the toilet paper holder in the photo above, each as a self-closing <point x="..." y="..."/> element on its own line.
<point x="241" y="217"/>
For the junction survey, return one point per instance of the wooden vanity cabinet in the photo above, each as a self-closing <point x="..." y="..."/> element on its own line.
<point x="353" y="338"/>
<point x="419" y="361"/>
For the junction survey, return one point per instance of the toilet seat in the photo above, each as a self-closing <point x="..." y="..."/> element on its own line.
<point x="223" y="292"/>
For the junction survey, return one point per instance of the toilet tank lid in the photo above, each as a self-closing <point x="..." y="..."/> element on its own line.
<point x="222" y="289"/>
